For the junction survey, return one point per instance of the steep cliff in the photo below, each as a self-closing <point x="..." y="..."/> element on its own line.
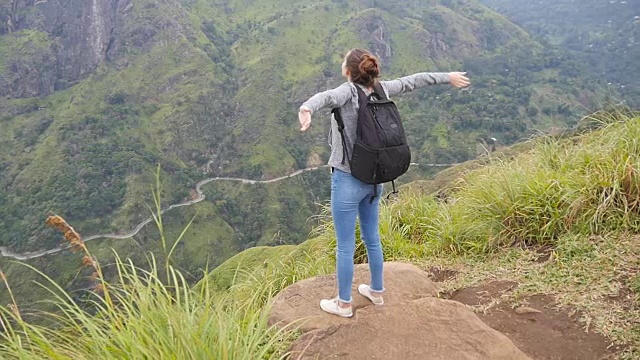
<point x="53" y="44"/>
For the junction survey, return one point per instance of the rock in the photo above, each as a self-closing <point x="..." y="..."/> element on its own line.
<point x="527" y="310"/>
<point x="74" y="38"/>
<point x="374" y="30"/>
<point x="427" y="328"/>
<point x="412" y="324"/>
<point x="69" y="39"/>
<point x="300" y="302"/>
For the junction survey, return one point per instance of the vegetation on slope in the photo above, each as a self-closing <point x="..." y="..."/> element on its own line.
<point x="210" y="88"/>
<point x="205" y="87"/>
<point x="578" y="198"/>
<point x="602" y="36"/>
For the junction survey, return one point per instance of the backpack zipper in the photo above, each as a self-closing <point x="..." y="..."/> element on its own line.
<point x="375" y="170"/>
<point x="375" y="117"/>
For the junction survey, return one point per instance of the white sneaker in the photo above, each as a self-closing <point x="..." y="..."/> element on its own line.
<point x="365" y="290"/>
<point x="332" y="307"/>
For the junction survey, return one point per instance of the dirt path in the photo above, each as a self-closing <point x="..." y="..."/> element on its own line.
<point x="537" y="328"/>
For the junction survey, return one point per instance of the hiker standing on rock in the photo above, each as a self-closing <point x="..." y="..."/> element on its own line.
<point x="353" y="160"/>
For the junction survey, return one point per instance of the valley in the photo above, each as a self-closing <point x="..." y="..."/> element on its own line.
<point x="209" y="89"/>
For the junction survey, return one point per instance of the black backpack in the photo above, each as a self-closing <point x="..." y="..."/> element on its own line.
<point x="380" y="153"/>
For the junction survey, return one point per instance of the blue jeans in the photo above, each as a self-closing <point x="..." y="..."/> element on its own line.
<point x="350" y="198"/>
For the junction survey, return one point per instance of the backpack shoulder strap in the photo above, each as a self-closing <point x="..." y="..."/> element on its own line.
<point x="363" y="99"/>
<point x="363" y="103"/>
<point x="379" y="90"/>
<point x="337" y="115"/>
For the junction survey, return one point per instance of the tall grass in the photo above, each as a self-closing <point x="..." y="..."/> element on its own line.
<point x="582" y="185"/>
<point x="153" y="313"/>
<point x="150" y="320"/>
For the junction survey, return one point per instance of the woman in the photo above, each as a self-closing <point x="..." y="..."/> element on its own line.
<point x="351" y="197"/>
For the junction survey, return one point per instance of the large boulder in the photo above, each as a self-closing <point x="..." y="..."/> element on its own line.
<point x="427" y="328"/>
<point x="300" y="302"/>
<point x="412" y="324"/>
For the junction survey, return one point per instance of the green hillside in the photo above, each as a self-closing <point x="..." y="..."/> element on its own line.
<point x="601" y="36"/>
<point x="560" y="219"/>
<point x="206" y="88"/>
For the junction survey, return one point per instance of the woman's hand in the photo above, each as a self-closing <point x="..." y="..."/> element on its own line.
<point x="304" y="115"/>
<point x="457" y="79"/>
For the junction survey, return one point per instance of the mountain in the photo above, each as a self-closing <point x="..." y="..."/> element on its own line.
<point x="96" y="94"/>
<point x="603" y="36"/>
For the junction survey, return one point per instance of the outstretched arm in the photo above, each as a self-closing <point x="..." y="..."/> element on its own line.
<point x="412" y="82"/>
<point x="327" y="99"/>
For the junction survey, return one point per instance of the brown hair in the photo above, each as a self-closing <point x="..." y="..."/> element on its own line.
<point x="363" y="66"/>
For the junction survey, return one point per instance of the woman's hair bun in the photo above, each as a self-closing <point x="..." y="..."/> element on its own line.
<point x="363" y="66"/>
<point x="369" y="65"/>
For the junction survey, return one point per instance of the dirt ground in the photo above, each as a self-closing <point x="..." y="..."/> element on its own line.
<point x="536" y="327"/>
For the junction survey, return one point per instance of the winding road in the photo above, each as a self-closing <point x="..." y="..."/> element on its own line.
<point x="5" y="252"/>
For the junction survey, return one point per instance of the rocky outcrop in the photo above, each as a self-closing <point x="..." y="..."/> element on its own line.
<point x="74" y="36"/>
<point x="426" y="328"/>
<point x="77" y="36"/>
<point x="85" y="32"/>
<point x="27" y="67"/>
<point x="373" y="29"/>
<point x="411" y="325"/>
<point x="300" y="301"/>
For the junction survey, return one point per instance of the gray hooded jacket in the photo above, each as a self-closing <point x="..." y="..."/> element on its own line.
<point x="345" y="96"/>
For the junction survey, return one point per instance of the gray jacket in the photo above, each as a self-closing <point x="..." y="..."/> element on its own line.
<point x="345" y="96"/>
